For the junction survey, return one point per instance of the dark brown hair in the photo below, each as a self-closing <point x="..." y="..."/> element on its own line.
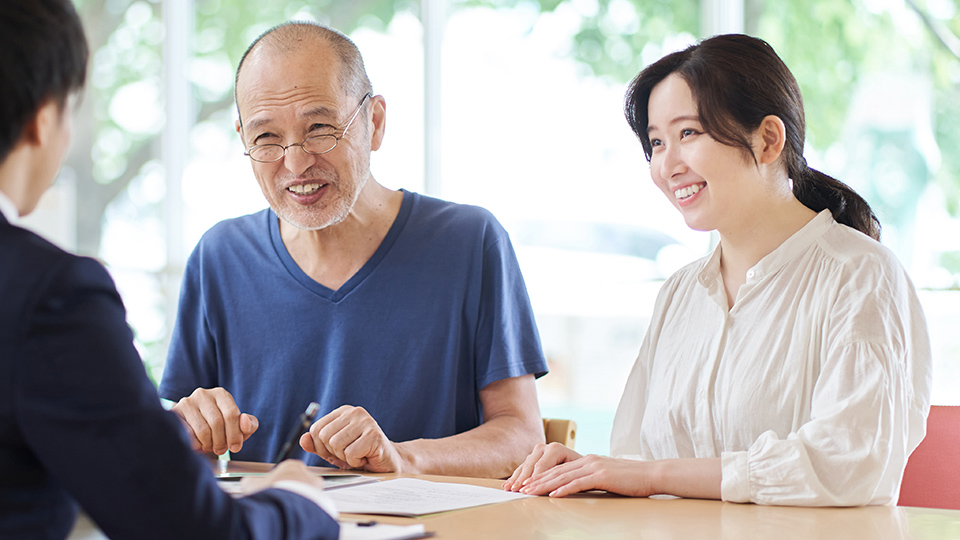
<point x="737" y="81"/>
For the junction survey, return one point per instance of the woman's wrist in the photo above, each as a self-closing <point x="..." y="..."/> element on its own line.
<point x="697" y="478"/>
<point x="658" y="473"/>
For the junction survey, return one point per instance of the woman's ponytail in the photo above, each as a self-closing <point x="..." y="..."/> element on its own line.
<point x="818" y="191"/>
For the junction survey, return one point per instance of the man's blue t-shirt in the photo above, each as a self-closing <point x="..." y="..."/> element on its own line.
<point x="438" y="312"/>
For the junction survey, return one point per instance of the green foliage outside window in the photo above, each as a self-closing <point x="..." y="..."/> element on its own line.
<point x="828" y="44"/>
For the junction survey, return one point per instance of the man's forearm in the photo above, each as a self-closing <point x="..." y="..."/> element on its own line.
<point x="492" y="450"/>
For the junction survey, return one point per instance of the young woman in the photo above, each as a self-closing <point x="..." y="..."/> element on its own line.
<point x="791" y="366"/>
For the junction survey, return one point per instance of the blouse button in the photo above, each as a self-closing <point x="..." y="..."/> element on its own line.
<point x="750" y="274"/>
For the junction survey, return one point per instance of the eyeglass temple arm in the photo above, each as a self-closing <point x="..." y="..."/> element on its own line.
<point x="354" y="117"/>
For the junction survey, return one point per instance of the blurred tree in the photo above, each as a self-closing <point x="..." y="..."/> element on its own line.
<point x="830" y="45"/>
<point x="617" y="38"/>
<point x="105" y="156"/>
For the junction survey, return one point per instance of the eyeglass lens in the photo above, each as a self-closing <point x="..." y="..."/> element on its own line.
<point x="320" y="144"/>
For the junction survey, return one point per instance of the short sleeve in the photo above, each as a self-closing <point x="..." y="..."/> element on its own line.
<point x="507" y="340"/>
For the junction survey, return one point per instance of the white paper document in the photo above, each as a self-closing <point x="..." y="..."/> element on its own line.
<point x="412" y="497"/>
<point x="380" y="531"/>
<point x="230" y="482"/>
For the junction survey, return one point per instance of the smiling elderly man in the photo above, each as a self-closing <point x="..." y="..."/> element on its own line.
<point x="405" y="317"/>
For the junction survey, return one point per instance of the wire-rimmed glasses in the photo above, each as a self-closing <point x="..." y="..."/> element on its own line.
<point x="318" y="144"/>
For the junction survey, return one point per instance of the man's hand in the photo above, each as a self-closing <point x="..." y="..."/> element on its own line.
<point x="350" y="438"/>
<point x="214" y="422"/>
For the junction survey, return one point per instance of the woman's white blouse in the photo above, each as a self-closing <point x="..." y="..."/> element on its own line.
<point x="813" y="390"/>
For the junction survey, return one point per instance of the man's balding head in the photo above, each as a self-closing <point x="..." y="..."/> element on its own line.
<point x="291" y="37"/>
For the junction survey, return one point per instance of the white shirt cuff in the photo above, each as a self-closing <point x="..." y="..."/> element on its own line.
<point x="312" y="493"/>
<point x="734" y="477"/>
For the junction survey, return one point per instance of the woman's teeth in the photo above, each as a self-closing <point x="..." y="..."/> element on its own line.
<point x="685" y="192"/>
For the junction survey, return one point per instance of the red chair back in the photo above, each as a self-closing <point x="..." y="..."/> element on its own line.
<point x="932" y="476"/>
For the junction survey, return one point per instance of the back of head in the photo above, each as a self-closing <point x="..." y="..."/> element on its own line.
<point x="43" y="56"/>
<point x="737" y="81"/>
<point x="288" y="37"/>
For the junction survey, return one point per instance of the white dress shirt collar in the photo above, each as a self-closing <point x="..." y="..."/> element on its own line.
<point x="9" y="209"/>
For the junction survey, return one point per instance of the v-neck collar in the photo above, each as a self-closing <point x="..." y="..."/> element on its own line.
<point x="356" y="279"/>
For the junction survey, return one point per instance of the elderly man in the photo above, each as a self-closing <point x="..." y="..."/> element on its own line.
<point x="80" y="422"/>
<point x="405" y="317"/>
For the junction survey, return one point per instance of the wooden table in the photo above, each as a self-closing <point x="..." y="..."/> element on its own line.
<point x="602" y="516"/>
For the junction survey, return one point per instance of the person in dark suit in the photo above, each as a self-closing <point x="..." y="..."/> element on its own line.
<point x="80" y="423"/>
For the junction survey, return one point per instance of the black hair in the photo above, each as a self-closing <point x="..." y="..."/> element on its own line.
<point x="43" y="56"/>
<point x="737" y="81"/>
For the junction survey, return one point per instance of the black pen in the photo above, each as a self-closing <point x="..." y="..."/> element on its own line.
<point x="301" y="427"/>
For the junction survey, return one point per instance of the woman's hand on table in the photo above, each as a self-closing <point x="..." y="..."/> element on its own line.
<point x="543" y="458"/>
<point x="557" y="471"/>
